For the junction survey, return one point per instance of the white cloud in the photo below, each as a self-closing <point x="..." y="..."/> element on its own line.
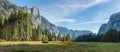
<point x="94" y="2"/>
<point x="65" y="20"/>
<point x="60" y="10"/>
<point x="96" y="21"/>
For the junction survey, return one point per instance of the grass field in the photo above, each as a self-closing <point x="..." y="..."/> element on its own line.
<point x="59" y="47"/>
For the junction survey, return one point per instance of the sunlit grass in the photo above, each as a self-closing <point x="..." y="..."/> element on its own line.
<point x="17" y="43"/>
<point x="34" y="43"/>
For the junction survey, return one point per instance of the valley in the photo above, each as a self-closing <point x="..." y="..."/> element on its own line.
<point x="73" y="28"/>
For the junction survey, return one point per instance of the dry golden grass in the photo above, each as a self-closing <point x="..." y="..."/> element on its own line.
<point x="60" y="43"/>
<point x="17" y="43"/>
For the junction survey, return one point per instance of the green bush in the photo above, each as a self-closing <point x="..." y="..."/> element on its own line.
<point x="2" y="40"/>
<point x="45" y="39"/>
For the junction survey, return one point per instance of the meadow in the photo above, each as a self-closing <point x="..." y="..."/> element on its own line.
<point x="57" y="46"/>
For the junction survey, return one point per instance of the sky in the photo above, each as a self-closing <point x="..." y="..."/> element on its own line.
<point x="74" y="14"/>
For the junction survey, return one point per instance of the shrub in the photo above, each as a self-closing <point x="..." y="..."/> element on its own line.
<point x="45" y="39"/>
<point x="2" y="40"/>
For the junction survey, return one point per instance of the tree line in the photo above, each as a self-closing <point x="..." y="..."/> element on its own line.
<point x="111" y="35"/>
<point x="90" y="37"/>
<point x="18" y="27"/>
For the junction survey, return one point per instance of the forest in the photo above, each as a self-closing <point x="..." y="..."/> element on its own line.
<point x="18" y="27"/>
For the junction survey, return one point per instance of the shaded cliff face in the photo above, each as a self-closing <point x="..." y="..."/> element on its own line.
<point x="36" y="19"/>
<point x="102" y="29"/>
<point x="114" y="22"/>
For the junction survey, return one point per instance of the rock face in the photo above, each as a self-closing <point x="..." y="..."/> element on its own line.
<point x="46" y="24"/>
<point x="35" y="12"/>
<point x="102" y="29"/>
<point x="114" y="22"/>
<point x="37" y="19"/>
<point x="34" y="15"/>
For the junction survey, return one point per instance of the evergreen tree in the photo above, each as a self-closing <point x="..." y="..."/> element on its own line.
<point x="59" y="37"/>
<point x="68" y="37"/>
<point x="111" y="36"/>
<point x="64" y="38"/>
<point x="1" y="26"/>
<point x="15" y="33"/>
<point x="45" y="39"/>
<point x="34" y="34"/>
<point x="1" y="20"/>
<point x="73" y="37"/>
<point x="39" y="33"/>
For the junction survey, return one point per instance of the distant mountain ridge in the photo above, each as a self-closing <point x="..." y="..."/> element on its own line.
<point x="36" y="19"/>
<point x="114" y="22"/>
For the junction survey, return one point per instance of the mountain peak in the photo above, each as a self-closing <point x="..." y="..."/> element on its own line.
<point x="115" y="17"/>
<point x="35" y="11"/>
<point x="114" y="22"/>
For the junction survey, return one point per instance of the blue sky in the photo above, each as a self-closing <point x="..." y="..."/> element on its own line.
<point x="74" y="14"/>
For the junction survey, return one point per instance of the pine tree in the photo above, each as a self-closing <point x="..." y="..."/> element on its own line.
<point x="1" y="26"/>
<point x="15" y="32"/>
<point x="59" y="37"/>
<point x="45" y="39"/>
<point x="73" y="37"/>
<point x="64" y="38"/>
<point x="34" y="35"/>
<point x="39" y="33"/>
<point x="1" y="20"/>
<point x="68" y="37"/>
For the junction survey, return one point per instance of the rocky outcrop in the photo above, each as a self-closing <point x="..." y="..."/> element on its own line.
<point x="35" y="12"/>
<point x="114" y="22"/>
<point x="34" y="15"/>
